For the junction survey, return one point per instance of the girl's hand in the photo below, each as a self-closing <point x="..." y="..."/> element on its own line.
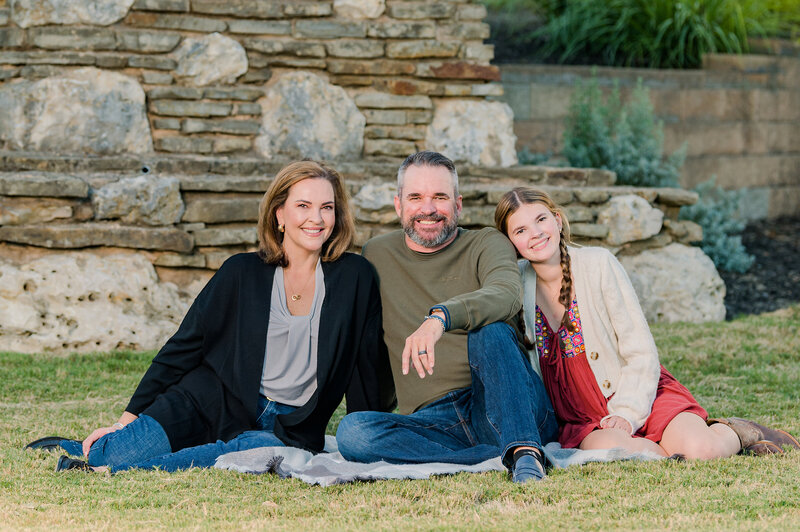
<point x="616" y="422"/>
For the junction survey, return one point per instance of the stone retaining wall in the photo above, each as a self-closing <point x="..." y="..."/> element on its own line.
<point x="740" y="116"/>
<point x="210" y="72"/>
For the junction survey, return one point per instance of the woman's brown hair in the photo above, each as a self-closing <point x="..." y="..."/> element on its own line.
<point x="508" y="205"/>
<point x="270" y="240"/>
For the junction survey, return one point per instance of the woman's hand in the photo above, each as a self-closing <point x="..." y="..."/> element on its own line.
<point x="96" y="434"/>
<point x="616" y="422"/>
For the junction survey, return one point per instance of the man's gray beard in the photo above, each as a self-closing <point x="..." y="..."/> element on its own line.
<point x="448" y="230"/>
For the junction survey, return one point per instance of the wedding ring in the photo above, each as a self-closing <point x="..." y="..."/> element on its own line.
<point x="423" y="352"/>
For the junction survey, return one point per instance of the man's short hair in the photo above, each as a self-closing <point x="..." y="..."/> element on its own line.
<point x="427" y="158"/>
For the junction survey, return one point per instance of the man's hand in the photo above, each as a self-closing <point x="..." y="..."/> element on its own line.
<point x="96" y="434"/>
<point x="616" y="422"/>
<point x="419" y="348"/>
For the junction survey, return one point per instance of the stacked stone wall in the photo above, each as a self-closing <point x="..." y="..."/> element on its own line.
<point x="205" y="64"/>
<point x="738" y="115"/>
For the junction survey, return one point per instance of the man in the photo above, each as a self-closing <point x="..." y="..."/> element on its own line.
<point x="446" y="292"/>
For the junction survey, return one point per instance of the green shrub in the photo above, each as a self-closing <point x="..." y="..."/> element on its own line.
<point x="715" y="213"/>
<point x="626" y="139"/>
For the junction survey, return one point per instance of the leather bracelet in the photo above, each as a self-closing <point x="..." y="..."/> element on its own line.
<point x="441" y="321"/>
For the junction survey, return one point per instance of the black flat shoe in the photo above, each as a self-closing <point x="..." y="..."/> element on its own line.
<point x="65" y="463"/>
<point x="48" y="443"/>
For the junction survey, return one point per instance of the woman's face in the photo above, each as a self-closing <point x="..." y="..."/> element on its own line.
<point x="535" y="232"/>
<point x="308" y="216"/>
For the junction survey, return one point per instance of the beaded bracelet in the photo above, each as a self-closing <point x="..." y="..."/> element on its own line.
<point x="441" y="321"/>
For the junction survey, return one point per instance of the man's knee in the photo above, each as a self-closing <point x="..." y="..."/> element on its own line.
<point x="491" y="338"/>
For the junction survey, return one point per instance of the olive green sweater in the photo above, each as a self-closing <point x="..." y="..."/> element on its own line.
<point x="475" y="278"/>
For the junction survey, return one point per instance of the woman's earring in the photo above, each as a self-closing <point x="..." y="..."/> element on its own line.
<point x="281" y="228"/>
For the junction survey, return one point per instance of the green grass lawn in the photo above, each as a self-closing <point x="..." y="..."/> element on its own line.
<point x="749" y="367"/>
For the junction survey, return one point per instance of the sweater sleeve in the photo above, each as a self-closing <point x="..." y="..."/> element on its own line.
<point x="183" y="351"/>
<point x="640" y="368"/>
<point x="500" y="294"/>
<point x="371" y="386"/>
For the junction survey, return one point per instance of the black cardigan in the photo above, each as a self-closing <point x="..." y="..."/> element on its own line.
<point x="213" y="364"/>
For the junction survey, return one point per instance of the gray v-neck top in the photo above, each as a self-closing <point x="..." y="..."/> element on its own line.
<point x="290" y="358"/>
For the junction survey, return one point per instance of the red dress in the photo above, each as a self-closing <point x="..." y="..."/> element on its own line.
<point x="577" y="400"/>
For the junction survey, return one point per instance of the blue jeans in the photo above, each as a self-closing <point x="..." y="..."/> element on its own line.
<point x="506" y="407"/>
<point x="143" y="444"/>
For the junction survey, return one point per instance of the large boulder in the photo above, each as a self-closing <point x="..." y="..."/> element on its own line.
<point x="81" y="303"/>
<point x="677" y="283"/>
<point x="630" y="218"/>
<point x="475" y="132"/>
<point x="213" y="58"/>
<point x="143" y="199"/>
<point x="87" y="111"/>
<point x="359" y="9"/>
<point x="305" y="116"/>
<point x="27" y="13"/>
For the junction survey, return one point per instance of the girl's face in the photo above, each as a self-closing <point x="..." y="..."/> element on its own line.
<point x="308" y="215"/>
<point x="535" y="232"/>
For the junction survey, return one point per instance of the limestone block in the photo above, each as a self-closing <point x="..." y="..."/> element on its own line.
<point x="389" y="147"/>
<point x="684" y="231"/>
<point x="143" y="199"/>
<point x="154" y="62"/>
<point x="362" y="48"/>
<point x="471" y="12"/>
<point x="88" y="111"/>
<point x="394" y="132"/>
<point x="176" y="22"/>
<point x="588" y="230"/>
<point x="480" y="52"/>
<point x="225" y="236"/>
<point x="417" y="49"/>
<point x="156" y="78"/>
<point x="42" y="184"/>
<point x="252" y="109"/>
<point x="272" y="46"/>
<point x="381" y="100"/>
<point x="147" y="41"/>
<point x="487" y="89"/>
<point x="472" y="31"/>
<point x="402" y="30"/>
<point x="630" y="218"/>
<point x="27" y="13"/>
<point x="55" y="38"/>
<point x="162" y="5"/>
<point x="260" y="27"/>
<point x="167" y="123"/>
<point x="21" y="211"/>
<point x="176" y="260"/>
<point x="233" y="93"/>
<point x="390" y="117"/>
<point x="175" y="93"/>
<point x="185" y="144"/>
<point x="419" y="117"/>
<point x="380" y="67"/>
<point x="222" y="210"/>
<point x="210" y="59"/>
<point x="591" y="195"/>
<point x="676" y="197"/>
<point x="190" y="108"/>
<point x="307" y="9"/>
<point x="578" y="213"/>
<point x="81" y="302"/>
<point x="239" y="8"/>
<point x="231" y="127"/>
<point x="359" y="9"/>
<point x="477" y="215"/>
<point x="305" y="116"/>
<point x="421" y="10"/>
<point x="329" y="29"/>
<point x="11" y="38"/>
<point x="69" y="236"/>
<point x="376" y="197"/>
<point x="214" y="183"/>
<point x="677" y="283"/>
<point x="458" y="70"/>
<point x="477" y="132"/>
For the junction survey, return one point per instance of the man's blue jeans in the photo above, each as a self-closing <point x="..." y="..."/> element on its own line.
<point x="143" y="444"/>
<point x="506" y="407"/>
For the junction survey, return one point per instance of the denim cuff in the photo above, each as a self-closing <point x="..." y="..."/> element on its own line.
<point x="446" y="315"/>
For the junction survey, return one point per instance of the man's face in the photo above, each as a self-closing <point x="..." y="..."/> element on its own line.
<point x="428" y="208"/>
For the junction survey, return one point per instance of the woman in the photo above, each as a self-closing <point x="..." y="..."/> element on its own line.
<point x="596" y="355"/>
<point x="267" y="350"/>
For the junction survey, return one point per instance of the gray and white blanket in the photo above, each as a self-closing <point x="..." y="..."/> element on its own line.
<point x="330" y="467"/>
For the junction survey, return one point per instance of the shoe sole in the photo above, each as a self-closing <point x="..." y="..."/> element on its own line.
<point x="48" y="443"/>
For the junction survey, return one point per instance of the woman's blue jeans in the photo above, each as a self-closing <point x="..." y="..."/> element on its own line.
<point x="506" y="407"/>
<point x="143" y="444"/>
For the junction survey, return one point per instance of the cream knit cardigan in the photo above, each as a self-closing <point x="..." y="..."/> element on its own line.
<point x="619" y="346"/>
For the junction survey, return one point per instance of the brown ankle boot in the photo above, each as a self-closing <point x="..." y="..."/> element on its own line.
<point x="758" y="439"/>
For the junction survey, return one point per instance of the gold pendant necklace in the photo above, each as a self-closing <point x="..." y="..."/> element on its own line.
<point x="298" y="296"/>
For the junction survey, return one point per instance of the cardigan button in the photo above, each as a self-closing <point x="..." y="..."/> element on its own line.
<point x="594" y="355"/>
<point x="606" y="385"/>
